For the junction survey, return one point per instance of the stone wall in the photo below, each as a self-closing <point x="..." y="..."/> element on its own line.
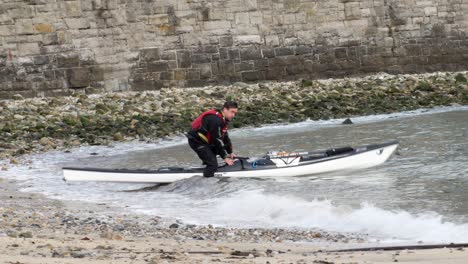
<point x="55" y="47"/>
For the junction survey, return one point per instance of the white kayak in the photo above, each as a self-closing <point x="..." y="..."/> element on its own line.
<point x="274" y="164"/>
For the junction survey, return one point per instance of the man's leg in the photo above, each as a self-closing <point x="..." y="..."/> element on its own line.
<point x="205" y="153"/>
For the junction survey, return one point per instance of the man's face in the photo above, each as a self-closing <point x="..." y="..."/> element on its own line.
<point x="229" y="113"/>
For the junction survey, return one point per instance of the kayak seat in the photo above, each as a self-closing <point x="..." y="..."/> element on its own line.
<point x="314" y="156"/>
<point x="338" y="151"/>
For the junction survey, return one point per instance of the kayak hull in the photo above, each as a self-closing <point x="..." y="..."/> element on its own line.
<point x="317" y="163"/>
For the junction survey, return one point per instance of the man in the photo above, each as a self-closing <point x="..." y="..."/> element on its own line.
<point x="208" y="137"/>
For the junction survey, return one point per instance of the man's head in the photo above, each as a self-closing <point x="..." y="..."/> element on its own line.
<point x="229" y="110"/>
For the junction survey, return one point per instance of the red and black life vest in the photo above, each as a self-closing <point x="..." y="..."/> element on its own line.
<point x="203" y="133"/>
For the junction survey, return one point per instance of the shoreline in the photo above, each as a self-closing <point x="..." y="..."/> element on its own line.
<point x="43" y="230"/>
<point x="42" y="124"/>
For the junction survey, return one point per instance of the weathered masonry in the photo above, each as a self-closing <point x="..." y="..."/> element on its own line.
<point x="53" y="47"/>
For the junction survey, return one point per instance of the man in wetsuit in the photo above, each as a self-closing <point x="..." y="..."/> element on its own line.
<point x="208" y="137"/>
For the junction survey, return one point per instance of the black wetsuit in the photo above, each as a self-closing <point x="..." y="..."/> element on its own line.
<point x="220" y="144"/>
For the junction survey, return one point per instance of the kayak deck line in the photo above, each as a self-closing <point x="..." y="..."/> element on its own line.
<point x="271" y="165"/>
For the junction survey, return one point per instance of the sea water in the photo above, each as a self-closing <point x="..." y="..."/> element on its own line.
<point x="420" y="194"/>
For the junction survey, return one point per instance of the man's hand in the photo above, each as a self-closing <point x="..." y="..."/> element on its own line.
<point x="232" y="156"/>
<point x="229" y="161"/>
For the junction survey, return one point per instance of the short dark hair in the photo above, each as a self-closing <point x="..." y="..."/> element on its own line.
<point x="230" y="104"/>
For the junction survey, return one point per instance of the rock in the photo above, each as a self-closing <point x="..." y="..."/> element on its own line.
<point x="45" y="141"/>
<point x="306" y="83"/>
<point x="241" y="85"/>
<point x="179" y="238"/>
<point x="18" y="97"/>
<point x="12" y="234"/>
<point x="118" y="136"/>
<point x="174" y="226"/>
<point x="79" y="254"/>
<point x="111" y="236"/>
<point x="18" y="117"/>
<point x="347" y="122"/>
<point x="25" y="234"/>
<point x="56" y="254"/>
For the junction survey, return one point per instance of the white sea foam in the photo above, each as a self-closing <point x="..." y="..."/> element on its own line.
<point x="255" y="209"/>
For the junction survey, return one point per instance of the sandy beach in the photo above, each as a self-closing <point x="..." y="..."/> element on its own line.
<point x="36" y="229"/>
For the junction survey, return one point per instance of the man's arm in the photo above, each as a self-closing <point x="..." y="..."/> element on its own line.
<point x="227" y="143"/>
<point x="214" y="126"/>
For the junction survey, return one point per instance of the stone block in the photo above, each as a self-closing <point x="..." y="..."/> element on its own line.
<point x="158" y="19"/>
<point x="150" y="54"/>
<point x="22" y="86"/>
<point x="219" y="25"/>
<point x="223" y="54"/>
<point x="112" y="4"/>
<point x="210" y="49"/>
<point x="268" y="53"/>
<point x="197" y="83"/>
<point x="248" y="40"/>
<point x="250" y="5"/>
<point x="77" y="23"/>
<point x="341" y="53"/>
<point x="275" y="73"/>
<point x="21" y="11"/>
<point x="7" y="30"/>
<point x="67" y="60"/>
<point x="201" y="58"/>
<point x="226" y="41"/>
<point x="261" y="64"/>
<point x="193" y="74"/>
<point x="28" y="49"/>
<point x="180" y="75"/>
<point x="352" y="10"/>
<point x="301" y="50"/>
<point x="73" y="8"/>
<point x="234" y="54"/>
<point x="250" y="54"/>
<point x="244" y="66"/>
<point x="168" y="55"/>
<point x="145" y="85"/>
<point x="251" y="76"/>
<point x="284" y="51"/>
<point x="256" y="18"/>
<point x="43" y="28"/>
<point x="78" y="77"/>
<point x="50" y="85"/>
<point x="272" y="40"/>
<point x="226" y="67"/>
<point x="205" y="71"/>
<point x="413" y="50"/>
<point x="169" y="75"/>
<point x="430" y="11"/>
<point x="97" y="73"/>
<point x="184" y="59"/>
<point x="24" y="27"/>
<point x="242" y="18"/>
<point x="41" y="60"/>
<point x="5" y="86"/>
<point x="158" y="66"/>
